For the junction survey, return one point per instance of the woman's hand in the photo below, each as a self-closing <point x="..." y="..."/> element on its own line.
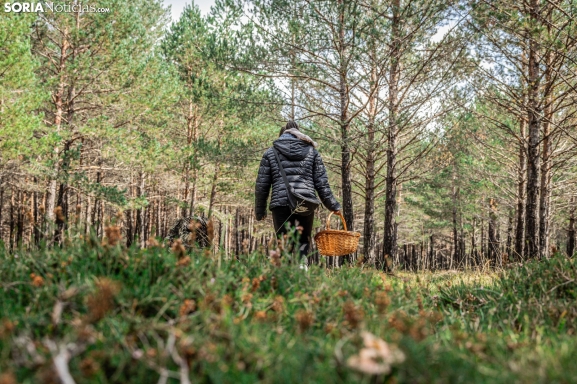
<point x="337" y="213"/>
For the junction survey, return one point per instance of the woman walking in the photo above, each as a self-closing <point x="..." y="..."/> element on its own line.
<point x="305" y="173"/>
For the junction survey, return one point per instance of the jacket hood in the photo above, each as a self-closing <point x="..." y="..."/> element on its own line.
<point x="292" y="148"/>
<point x="299" y="135"/>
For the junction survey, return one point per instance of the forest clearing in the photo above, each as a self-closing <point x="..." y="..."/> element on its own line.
<point x="444" y="133"/>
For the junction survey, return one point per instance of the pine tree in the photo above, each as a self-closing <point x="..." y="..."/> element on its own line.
<point x="88" y="62"/>
<point x="19" y="89"/>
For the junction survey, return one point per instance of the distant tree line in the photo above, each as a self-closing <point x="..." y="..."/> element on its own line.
<point x="448" y="127"/>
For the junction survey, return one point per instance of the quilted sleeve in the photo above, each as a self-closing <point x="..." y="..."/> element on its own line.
<point x="262" y="187"/>
<point x="322" y="186"/>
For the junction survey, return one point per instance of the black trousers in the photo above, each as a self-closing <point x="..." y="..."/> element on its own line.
<point x="282" y="215"/>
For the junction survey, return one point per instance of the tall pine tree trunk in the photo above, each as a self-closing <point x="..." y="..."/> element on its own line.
<point x="483" y="255"/>
<point x="195" y="133"/>
<point x="533" y="159"/>
<point x="62" y="201"/>
<point x="545" y="194"/>
<point x="492" y="244"/>
<point x="473" y="245"/>
<point x="347" y="192"/>
<point x="293" y="81"/>
<point x="142" y="212"/>
<point x="58" y="99"/>
<point x="369" y="225"/>
<point x="186" y="172"/>
<point x="390" y="239"/>
<point x="1" y="206"/>
<point x="545" y="187"/>
<point x="571" y="230"/>
<point x="20" y="222"/>
<point x="129" y="229"/>
<point x="508" y="248"/>
<point x="455" y="197"/>
<point x="94" y="213"/>
<point x="190" y="123"/>
<point x="521" y="190"/>
<point x="12" y="221"/>
<point x="213" y="190"/>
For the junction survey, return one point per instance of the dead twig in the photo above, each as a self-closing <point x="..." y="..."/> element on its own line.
<point x="61" y="355"/>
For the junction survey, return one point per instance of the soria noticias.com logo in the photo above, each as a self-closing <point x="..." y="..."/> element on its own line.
<point x="19" y="7"/>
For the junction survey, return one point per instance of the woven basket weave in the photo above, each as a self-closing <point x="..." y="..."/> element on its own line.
<point x="333" y="242"/>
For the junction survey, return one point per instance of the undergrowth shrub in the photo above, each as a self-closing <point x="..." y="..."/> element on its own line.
<point x="118" y="315"/>
<point x="538" y="297"/>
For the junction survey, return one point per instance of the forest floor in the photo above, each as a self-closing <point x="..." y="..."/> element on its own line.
<point x="97" y="313"/>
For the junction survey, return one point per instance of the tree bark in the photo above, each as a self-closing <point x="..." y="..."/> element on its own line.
<point x="190" y="134"/>
<point x="533" y="159"/>
<point x="473" y="245"/>
<point x="390" y="240"/>
<point x="455" y="197"/>
<point x="62" y="201"/>
<point x="521" y="190"/>
<point x="158" y="231"/>
<point x="571" y="230"/>
<point x="522" y="174"/>
<point x="369" y="225"/>
<point x="94" y="217"/>
<point x="432" y="263"/>
<point x="142" y="212"/>
<point x="87" y="215"/>
<point x="129" y="230"/>
<point x="58" y="99"/>
<point x="213" y="190"/>
<point x="1" y="210"/>
<point x="193" y="191"/>
<point x="12" y="203"/>
<point x="493" y="243"/>
<point x="545" y="187"/>
<point x="20" y="217"/>
<point x="236" y="238"/>
<point x="482" y="241"/>
<point x="36" y="224"/>
<point x="545" y="196"/>
<point x="347" y="205"/>
<point x="293" y="82"/>
<point x="508" y="248"/>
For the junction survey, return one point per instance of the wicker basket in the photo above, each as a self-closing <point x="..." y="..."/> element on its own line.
<point x="333" y="242"/>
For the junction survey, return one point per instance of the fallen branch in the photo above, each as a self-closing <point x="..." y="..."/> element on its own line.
<point x="61" y="356"/>
<point x="560" y="285"/>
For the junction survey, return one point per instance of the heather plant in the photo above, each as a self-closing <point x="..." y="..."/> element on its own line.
<point x="96" y="311"/>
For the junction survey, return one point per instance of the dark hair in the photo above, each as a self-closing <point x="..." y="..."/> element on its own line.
<point x="290" y="124"/>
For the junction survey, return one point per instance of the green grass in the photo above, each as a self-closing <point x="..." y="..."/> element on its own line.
<point x="130" y="316"/>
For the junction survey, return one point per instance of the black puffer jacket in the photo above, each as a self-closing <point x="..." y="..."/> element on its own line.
<point x="304" y="169"/>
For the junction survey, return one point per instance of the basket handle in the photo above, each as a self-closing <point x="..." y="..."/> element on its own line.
<point x="342" y="220"/>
